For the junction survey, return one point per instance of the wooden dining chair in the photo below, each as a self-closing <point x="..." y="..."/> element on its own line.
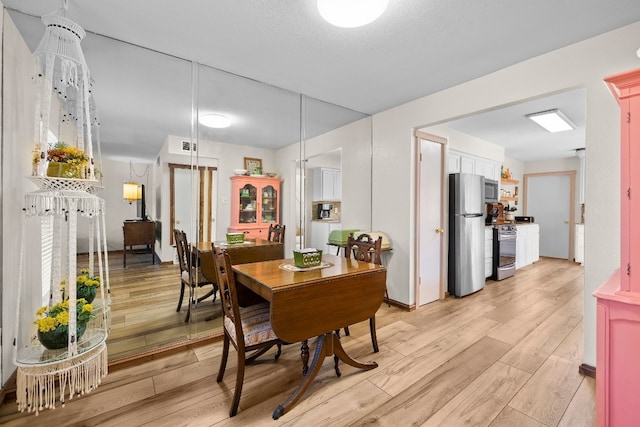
<point x="247" y="328"/>
<point x="190" y="275"/>
<point x="276" y="233"/>
<point x="365" y="249"/>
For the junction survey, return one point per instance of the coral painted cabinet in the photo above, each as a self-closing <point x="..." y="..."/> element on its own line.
<point x="255" y="204"/>
<point x="618" y="299"/>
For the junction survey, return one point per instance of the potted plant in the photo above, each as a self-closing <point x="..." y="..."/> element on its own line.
<point x="53" y="323"/>
<point x="66" y="161"/>
<point x="86" y="286"/>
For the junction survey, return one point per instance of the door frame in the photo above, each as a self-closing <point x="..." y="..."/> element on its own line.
<point x="205" y="194"/>
<point x="572" y="202"/>
<point x="443" y="211"/>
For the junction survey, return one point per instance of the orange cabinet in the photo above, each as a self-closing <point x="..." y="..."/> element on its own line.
<point x="255" y="204"/>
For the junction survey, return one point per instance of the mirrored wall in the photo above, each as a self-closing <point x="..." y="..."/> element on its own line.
<point x="148" y="105"/>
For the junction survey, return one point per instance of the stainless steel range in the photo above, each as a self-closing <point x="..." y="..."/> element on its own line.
<point x="504" y="251"/>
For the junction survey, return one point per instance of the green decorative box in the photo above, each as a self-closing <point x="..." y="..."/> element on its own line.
<point x="235" y="237"/>
<point x="310" y="257"/>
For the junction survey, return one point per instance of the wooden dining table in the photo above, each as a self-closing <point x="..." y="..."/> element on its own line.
<point x="316" y="303"/>
<point x="251" y="250"/>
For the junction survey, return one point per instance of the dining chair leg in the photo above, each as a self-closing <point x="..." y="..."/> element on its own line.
<point x="259" y="353"/>
<point x="374" y="337"/>
<point x="239" y="380"/>
<point x="223" y="360"/>
<point x="181" y="297"/>
<point x="304" y="355"/>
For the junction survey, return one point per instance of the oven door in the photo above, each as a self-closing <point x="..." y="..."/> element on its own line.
<point x="507" y="251"/>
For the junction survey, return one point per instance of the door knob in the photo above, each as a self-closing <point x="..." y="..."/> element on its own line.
<point x="566" y="221"/>
<point x="439" y="230"/>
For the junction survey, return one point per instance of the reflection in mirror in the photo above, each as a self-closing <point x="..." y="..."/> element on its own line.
<point x="146" y="101"/>
<point x="335" y="193"/>
<point x="324" y="191"/>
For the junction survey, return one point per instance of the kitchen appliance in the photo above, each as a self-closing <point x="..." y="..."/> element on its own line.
<point x="324" y="210"/>
<point x="491" y="191"/>
<point x="494" y="214"/>
<point x="504" y="251"/>
<point x="525" y="219"/>
<point x="466" y="234"/>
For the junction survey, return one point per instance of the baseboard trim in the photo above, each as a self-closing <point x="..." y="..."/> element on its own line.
<point x="587" y="370"/>
<point x="395" y="303"/>
<point x="155" y="353"/>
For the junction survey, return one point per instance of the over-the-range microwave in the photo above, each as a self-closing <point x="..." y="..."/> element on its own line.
<point x="491" y="191"/>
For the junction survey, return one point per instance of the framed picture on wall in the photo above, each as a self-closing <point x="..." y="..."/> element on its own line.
<point x="253" y="166"/>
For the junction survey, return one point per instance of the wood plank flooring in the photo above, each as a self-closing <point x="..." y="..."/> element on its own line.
<point x="505" y="356"/>
<point x="144" y="298"/>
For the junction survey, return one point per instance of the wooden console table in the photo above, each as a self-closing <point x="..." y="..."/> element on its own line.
<point x="139" y="233"/>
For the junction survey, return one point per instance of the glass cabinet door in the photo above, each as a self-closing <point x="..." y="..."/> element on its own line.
<point x="269" y="204"/>
<point x="248" y="204"/>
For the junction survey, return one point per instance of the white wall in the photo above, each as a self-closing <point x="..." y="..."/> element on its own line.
<point x="558" y="165"/>
<point x="583" y="64"/>
<point x="17" y="143"/>
<point x="475" y="146"/>
<point x="354" y="140"/>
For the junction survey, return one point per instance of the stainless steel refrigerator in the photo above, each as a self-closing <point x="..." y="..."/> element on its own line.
<point x="466" y="234"/>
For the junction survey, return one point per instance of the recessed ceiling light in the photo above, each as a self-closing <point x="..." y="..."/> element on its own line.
<point x="552" y="120"/>
<point x="217" y="121"/>
<point x="351" y="13"/>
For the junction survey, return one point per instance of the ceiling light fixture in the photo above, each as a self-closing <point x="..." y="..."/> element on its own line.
<point x="552" y="120"/>
<point x="213" y="120"/>
<point x="351" y="13"/>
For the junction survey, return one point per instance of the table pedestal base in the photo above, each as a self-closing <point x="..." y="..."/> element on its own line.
<point x="328" y="345"/>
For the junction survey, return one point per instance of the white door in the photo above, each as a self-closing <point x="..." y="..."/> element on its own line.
<point x="183" y="203"/>
<point x="431" y="227"/>
<point x="548" y="201"/>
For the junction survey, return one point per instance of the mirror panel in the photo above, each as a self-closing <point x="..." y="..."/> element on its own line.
<point x="287" y="131"/>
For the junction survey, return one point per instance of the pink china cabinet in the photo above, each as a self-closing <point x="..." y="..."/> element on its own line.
<point x="618" y="299"/>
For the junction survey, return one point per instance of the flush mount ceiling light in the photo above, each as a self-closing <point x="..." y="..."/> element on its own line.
<point x="351" y="13"/>
<point x="217" y="121"/>
<point x="552" y="120"/>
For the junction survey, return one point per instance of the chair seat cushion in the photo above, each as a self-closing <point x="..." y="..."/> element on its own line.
<point x="255" y="324"/>
<point x="197" y="274"/>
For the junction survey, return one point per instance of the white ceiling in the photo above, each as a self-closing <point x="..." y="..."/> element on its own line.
<point x="416" y="48"/>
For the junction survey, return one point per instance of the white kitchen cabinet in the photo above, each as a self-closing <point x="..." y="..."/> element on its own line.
<point x="527" y="244"/>
<point x="327" y="184"/>
<point x="467" y="163"/>
<point x="454" y="162"/>
<point x="492" y="171"/>
<point x="488" y="252"/>
<point x="579" y="244"/>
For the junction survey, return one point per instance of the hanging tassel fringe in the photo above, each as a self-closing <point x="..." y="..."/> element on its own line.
<point x="36" y="386"/>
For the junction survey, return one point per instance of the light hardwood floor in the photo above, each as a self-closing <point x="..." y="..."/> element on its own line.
<point x="505" y="356"/>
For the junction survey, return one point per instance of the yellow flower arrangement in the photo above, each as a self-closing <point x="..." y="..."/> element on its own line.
<point x="53" y="323"/>
<point x="85" y="280"/>
<point x="64" y="153"/>
<point x="87" y="286"/>
<point x="57" y="316"/>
